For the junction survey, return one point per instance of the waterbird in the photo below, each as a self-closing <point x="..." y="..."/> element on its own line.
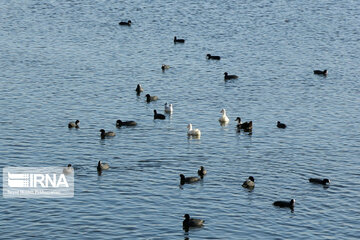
<point x="228" y="77"/>
<point x="168" y="108"/>
<point x="178" y="40"/>
<point x="284" y="204"/>
<point x="74" y="124"/>
<point x="249" y="183"/>
<point x="188" y="180"/>
<point x="139" y="89"/>
<point x="158" y="115"/>
<point x="320" y="72"/>
<point x="202" y="172"/>
<point x="193" y="132"/>
<point x="102" y="166"/>
<point x="212" y="57"/>
<point x="120" y="123"/>
<point x="191" y="222"/>
<point x="281" y="125"/>
<point x="106" y="134"/>
<point x="68" y="170"/>
<point x="128" y="23"/>
<point x="150" y="98"/>
<point x="319" y="181"/>
<point x="247" y="126"/>
<point x="223" y="118"/>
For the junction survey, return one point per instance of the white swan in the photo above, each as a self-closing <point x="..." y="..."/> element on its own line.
<point x="193" y="132"/>
<point x="168" y="108"/>
<point x="223" y="118"/>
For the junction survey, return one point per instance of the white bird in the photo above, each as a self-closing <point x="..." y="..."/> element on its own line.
<point x="168" y="108"/>
<point x="193" y="132"/>
<point x="223" y="118"/>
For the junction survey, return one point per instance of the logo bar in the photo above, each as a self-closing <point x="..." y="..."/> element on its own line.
<point x="42" y="182"/>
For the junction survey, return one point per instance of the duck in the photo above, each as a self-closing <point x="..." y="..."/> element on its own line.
<point x="249" y="183"/>
<point x="106" y="134"/>
<point x="102" y="166"/>
<point x="281" y="125"/>
<point x="128" y="23"/>
<point x="213" y="57"/>
<point x="184" y="179"/>
<point x="150" y="98"/>
<point x="228" y="77"/>
<point x="223" y="118"/>
<point x="158" y="115"/>
<point x="284" y="204"/>
<point x="191" y="222"/>
<point x="202" y="172"/>
<point x="120" y="123"/>
<point x="68" y="170"/>
<point x="320" y="72"/>
<point x="74" y="124"/>
<point x="319" y="181"/>
<point x="247" y="126"/>
<point x="164" y="67"/>
<point x="178" y="40"/>
<point x="168" y="108"/>
<point x="193" y="132"/>
<point x="139" y="89"/>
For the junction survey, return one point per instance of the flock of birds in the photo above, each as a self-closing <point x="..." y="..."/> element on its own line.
<point x="245" y="126"/>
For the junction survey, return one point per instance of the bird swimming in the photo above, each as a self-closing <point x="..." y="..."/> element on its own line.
<point x="150" y="98"/>
<point x="209" y="56"/>
<point x="202" y="172"/>
<point x="320" y="72"/>
<point x="193" y="132"/>
<point x="284" y="204"/>
<point x="120" y="123"/>
<point x="158" y="115"/>
<point x="188" y="180"/>
<point x="324" y="181"/>
<point x="128" y="23"/>
<point x="228" y="77"/>
<point x="281" y="125"/>
<point x="74" y="124"/>
<point x="176" y="40"/>
<point x="106" y="134"/>
<point x="247" y="126"/>
<point x="249" y="183"/>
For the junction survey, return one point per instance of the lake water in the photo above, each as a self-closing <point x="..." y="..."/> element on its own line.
<point x="67" y="60"/>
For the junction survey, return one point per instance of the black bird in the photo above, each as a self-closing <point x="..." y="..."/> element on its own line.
<point x="212" y="57"/>
<point x="284" y="204"/>
<point x="128" y="23"/>
<point x="249" y="183"/>
<point x="320" y="72"/>
<point x="228" y="77"/>
<point x="281" y="125"/>
<point x="191" y="222"/>
<point x="178" y="40"/>
<point x="319" y="181"/>
<point x="184" y="179"/>
<point x="158" y="115"/>
<point x="202" y="172"/>
<point x="120" y="123"/>
<point x="150" y="98"/>
<point x="139" y="89"/>
<point x="106" y="134"/>
<point x="247" y="126"/>
<point x="74" y="124"/>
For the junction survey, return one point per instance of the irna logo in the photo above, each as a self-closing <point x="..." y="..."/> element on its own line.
<point x="32" y="182"/>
